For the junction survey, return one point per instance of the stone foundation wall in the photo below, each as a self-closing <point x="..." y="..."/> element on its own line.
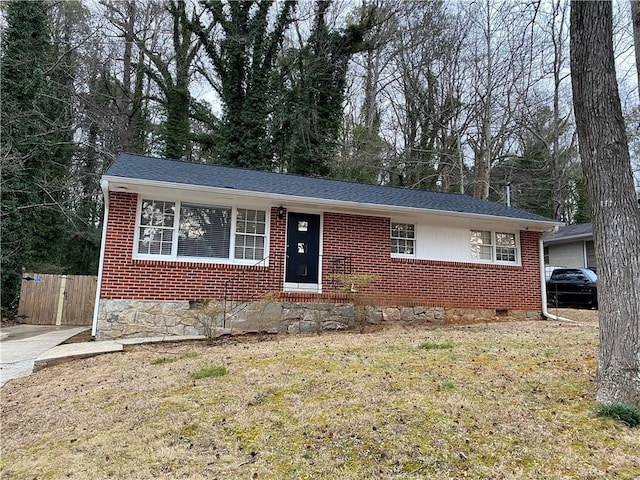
<point x="134" y="318"/>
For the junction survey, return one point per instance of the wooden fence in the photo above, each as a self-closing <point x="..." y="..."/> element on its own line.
<point x="57" y="299"/>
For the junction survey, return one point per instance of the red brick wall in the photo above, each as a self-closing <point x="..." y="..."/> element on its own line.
<point x="429" y="282"/>
<point x="130" y="279"/>
<point x="401" y="281"/>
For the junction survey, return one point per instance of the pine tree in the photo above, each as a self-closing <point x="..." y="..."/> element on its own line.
<point x="35" y="147"/>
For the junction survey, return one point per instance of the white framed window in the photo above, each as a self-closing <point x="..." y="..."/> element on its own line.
<point x="506" y="247"/>
<point x="590" y="254"/>
<point x="481" y="245"/>
<point x="204" y="231"/>
<point x="156" y="226"/>
<point x="178" y="230"/>
<point x="403" y="239"/>
<point x="492" y="246"/>
<point x="250" y="234"/>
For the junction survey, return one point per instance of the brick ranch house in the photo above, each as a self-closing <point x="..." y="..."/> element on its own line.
<point x="275" y="249"/>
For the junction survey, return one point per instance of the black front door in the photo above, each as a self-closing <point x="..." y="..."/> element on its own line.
<point x="303" y="248"/>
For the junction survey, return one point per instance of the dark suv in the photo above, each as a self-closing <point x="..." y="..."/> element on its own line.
<point x="573" y="287"/>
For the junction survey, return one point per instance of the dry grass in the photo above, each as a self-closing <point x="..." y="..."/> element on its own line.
<point x="507" y="401"/>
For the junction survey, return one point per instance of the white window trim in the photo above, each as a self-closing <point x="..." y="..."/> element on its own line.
<point x="415" y="239"/>
<point x="494" y="245"/>
<point x="234" y="233"/>
<point x="209" y="260"/>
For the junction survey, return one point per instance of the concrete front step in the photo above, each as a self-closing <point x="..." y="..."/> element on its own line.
<point x="72" y="351"/>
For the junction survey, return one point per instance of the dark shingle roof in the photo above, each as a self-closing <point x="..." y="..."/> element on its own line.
<point x="581" y="231"/>
<point x="137" y="167"/>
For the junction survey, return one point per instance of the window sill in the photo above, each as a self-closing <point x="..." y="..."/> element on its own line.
<point x="491" y="262"/>
<point x="201" y="261"/>
<point x="400" y="255"/>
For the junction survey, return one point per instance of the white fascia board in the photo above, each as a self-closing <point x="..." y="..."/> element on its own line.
<point x="123" y="184"/>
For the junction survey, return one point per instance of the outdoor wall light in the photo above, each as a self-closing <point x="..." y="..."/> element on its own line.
<point x="281" y="212"/>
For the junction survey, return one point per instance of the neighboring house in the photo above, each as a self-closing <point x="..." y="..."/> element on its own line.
<point x="178" y="234"/>
<point x="570" y="246"/>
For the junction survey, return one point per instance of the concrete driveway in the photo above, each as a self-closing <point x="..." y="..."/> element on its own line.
<point x="20" y="345"/>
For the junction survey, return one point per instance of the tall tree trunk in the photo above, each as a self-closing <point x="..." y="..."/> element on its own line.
<point x="124" y="98"/>
<point x="635" y="17"/>
<point x="559" y="66"/>
<point x="614" y="208"/>
<point x="483" y="156"/>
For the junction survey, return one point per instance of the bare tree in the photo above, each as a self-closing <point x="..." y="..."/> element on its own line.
<point x="635" y="18"/>
<point x="411" y="79"/>
<point x="171" y="55"/>
<point x="615" y="212"/>
<point x="543" y="167"/>
<point x="496" y="69"/>
<point x="124" y="73"/>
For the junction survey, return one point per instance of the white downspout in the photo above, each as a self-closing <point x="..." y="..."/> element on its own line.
<point x="543" y="286"/>
<point x="105" y="192"/>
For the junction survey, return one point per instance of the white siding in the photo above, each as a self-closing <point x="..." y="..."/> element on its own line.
<point x="567" y="254"/>
<point x="451" y="243"/>
<point x="443" y="243"/>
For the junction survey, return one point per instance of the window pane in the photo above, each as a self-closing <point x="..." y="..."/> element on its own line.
<point x="505" y="239"/>
<point x="591" y="255"/>
<point x="484" y="252"/>
<point x="479" y="252"/>
<point x="481" y="248"/>
<point x="155" y="245"/>
<point x="204" y="231"/>
<point x="480" y="237"/>
<point x="505" y="254"/>
<point x="157" y="213"/>
<point x="505" y="247"/>
<point x="250" y="231"/>
<point x="410" y="231"/>
<point x="402" y="238"/>
<point x="156" y="227"/>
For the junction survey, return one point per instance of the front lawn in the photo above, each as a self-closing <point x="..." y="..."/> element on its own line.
<point x="494" y="401"/>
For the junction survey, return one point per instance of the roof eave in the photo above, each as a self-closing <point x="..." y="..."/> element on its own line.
<point x="536" y="225"/>
<point x="571" y="239"/>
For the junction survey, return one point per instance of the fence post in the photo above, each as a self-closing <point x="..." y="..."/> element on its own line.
<point x="61" y="292"/>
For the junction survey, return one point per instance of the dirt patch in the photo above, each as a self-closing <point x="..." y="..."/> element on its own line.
<point x="505" y="400"/>
<point x="80" y="337"/>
